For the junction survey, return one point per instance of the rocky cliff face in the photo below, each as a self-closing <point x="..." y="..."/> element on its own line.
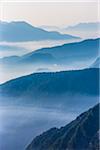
<point x="80" y="134"/>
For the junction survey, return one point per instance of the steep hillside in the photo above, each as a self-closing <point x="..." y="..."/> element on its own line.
<point x="77" y="135"/>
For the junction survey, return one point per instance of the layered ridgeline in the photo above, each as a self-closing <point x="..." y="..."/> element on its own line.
<point x="72" y="54"/>
<point x="84" y="30"/>
<point x="53" y="88"/>
<point x="68" y="53"/>
<point x="80" y="134"/>
<point x="20" y="31"/>
<point x="83" y="27"/>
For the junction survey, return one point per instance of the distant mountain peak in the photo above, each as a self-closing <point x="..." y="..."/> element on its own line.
<point x="18" y="31"/>
<point x="85" y="25"/>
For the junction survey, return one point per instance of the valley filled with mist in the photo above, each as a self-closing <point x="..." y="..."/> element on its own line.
<point x="48" y="76"/>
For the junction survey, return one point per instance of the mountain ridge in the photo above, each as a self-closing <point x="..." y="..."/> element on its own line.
<point x="63" y="54"/>
<point x="85" y="26"/>
<point x="49" y="88"/>
<point x="76" y="135"/>
<point x="23" y="31"/>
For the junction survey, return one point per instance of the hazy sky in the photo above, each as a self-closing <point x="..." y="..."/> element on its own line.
<point x="59" y="14"/>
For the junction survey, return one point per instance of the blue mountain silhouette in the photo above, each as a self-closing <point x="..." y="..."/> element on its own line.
<point x="22" y="31"/>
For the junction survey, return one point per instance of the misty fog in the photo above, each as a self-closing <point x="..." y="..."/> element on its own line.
<point x="8" y="72"/>
<point x="19" y="125"/>
<point x="26" y="47"/>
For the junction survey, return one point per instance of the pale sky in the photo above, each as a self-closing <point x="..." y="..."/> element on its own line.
<point x="50" y="13"/>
